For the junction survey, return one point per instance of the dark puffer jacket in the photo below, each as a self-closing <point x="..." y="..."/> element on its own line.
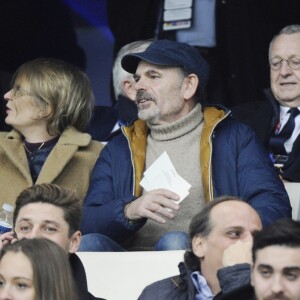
<point x="233" y="162"/>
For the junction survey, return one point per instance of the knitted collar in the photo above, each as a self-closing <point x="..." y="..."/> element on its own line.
<point x="178" y="128"/>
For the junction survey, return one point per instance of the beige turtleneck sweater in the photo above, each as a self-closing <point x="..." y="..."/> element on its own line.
<point x="181" y="140"/>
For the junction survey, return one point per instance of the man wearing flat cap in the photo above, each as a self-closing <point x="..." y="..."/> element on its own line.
<point x="214" y="153"/>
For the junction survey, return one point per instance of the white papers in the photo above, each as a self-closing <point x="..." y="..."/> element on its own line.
<point x="162" y="175"/>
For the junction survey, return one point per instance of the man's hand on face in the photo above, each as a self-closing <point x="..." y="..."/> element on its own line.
<point x="7" y="238"/>
<point x="238" y="253"/>
<point x="157" y="205"/>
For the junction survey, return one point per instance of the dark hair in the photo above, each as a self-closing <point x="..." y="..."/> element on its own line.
<point x="284" y="232"/>
<point x="63" y="198"/>
<point x="201" y="225"/>
<point x="52" y="275"/>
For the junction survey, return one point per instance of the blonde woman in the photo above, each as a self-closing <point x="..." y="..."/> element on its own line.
<point x="48" y="106"/>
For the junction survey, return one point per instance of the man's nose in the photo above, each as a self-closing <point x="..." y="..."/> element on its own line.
<point x="276" y="285"/>
<point x="140" y="84"/>
<point x="34" y="233"/>
<point x="285" y="69"/>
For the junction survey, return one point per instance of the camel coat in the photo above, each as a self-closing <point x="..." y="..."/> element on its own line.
<point x="69" y="164"/>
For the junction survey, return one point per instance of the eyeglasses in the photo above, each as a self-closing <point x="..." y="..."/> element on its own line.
<point x="17" y="93"/>
<point x="293" y="63"/>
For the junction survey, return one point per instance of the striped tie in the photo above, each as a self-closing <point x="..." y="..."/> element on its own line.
<point x="277" y="141"/>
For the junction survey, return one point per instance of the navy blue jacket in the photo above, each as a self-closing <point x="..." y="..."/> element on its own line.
<point x="233" y="162"/>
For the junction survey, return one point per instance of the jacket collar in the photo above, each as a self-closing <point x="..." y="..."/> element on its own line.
<point x="136" y="135"/>
<point x="69" y="136"/>
<point x="66" y="147"/>
<point x="184" y="281"/>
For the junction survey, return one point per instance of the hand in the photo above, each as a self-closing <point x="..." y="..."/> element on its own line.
<point x="7" y="238"/>
<point x="157" y="205"/>
<point x="238" y="253"/>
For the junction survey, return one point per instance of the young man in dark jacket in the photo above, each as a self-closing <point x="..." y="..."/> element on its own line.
<point x="51" y="212"/>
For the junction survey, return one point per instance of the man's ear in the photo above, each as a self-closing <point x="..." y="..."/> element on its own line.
<point x="190" y="86"/>
<point x="75" y="241"/>
<point x="199" y="246"/>
<point x="129" y="90"/>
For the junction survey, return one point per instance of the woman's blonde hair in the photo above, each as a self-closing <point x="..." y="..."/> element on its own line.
<point x="63" y="87"/>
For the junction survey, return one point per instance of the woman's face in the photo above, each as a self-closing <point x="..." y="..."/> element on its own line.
<point x="16" y="277"/>
<point x="23" y="108"/>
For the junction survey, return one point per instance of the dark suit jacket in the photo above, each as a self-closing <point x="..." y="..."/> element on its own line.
<point x="102" y="122"/>
<point x="263" y="117"/>
<point x="105" y="118"/>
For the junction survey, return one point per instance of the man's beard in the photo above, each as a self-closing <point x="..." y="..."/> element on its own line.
<point x="147" y="114"/>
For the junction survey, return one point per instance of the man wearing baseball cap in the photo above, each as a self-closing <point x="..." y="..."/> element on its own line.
<point x="215" y="154"/>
